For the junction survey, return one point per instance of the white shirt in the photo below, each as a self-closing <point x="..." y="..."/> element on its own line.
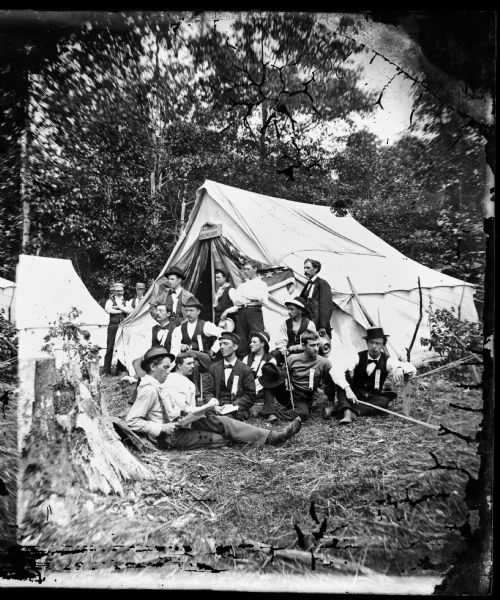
<point x="162" y="333"/>
<point x="146" y="414"/>
<point x="176" y="294"/>
<point x="348" y="363"/>
<point x="129" y="305"/>
<point x="311" y="289"/>
<point x="282" y="342"/>
<point x="181" y="392"/>
<point x="251" y="290"/>
<point x="118" y="301"/>
<point x="227" y="372"/>
<point x="209" y="329"/>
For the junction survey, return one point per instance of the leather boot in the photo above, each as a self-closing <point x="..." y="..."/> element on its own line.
<point x="281" y="435"/>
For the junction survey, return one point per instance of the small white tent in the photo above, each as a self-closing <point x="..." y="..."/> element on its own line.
<point x="227" y="223"/>
<point x="7" y="291"/>
<point x="45" y="289"/>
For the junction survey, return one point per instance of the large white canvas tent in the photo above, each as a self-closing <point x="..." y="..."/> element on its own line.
<point x="7" y="291"/>
<point x="45" y="289"/>
<point x="369" y="278"/>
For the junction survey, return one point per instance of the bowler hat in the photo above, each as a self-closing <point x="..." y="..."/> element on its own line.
<point x="227" y="324"/>
<point x="271" y="375"/>
<point x="374" y="332"/>
<point x="140" y="285"/>
<point x="175" y="271"/>
<point x="155" y="352"/>
<point x="229" y="335"/>
<point x="263" y="336"/>
<point x="193" y="303"/>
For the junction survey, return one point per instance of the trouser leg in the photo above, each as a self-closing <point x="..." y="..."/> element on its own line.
<point x="234" y="430"/>
<point x="110" y="344"/>
<point x="268" y="407"/>
<point x="301" y="404"/>
<point x="190" y="439"/>
<point x="342" y="403"/>
<point x="378" y="400"/>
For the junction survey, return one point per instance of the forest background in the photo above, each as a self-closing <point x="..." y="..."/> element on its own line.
<point x="116" y="119"/>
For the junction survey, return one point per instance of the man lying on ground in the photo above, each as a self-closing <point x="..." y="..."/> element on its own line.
<point x="362" y="376"/>
<point x="156" y="409"/>
<point x="307" y="371"/>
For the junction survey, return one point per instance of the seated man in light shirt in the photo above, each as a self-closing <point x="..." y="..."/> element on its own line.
<point x="248" y="299"/>
<point x="158" y="406"/>
<point x="361" y="377"/>
<point x="292" y="328"/>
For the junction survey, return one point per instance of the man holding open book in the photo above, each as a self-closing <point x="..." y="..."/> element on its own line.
<point x="169" y="416"/>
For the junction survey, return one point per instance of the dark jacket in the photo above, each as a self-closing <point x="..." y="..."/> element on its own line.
<point x="245" y="394"/>
<point x="320" y="305"/>
<point x="364" y="384"/>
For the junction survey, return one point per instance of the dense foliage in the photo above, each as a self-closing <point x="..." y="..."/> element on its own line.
<point x="124" y="124"/>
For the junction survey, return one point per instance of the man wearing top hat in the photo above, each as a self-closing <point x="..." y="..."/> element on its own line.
<point x="294" y="385"/>
<point x="176" y="296"/>
<point x="158" y="406"/>
<point x="229" y="380"/>
<point x="163" y="330"/>
<point x="292" y="328"/>
<point x="362" y="376"/>
<point x="140" y="289"/>
<point x="117" y="309"/>
<point x="317" y="294"/>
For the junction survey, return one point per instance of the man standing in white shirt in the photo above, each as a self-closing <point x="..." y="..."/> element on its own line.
<point x="140" y="289"/>
<point x="117" y="309"/>
<point x="248" y="299"/>
<point x="362" y="376"/>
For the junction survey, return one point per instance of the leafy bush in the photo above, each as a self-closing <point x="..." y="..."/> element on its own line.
<point x="451" y="337"/>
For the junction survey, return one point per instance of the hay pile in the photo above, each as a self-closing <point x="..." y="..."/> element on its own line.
<point x="355" y="499"/>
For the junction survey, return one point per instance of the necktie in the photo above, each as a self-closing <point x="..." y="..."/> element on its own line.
<point x="227" y="372"/>
<point x="370" y="367"/>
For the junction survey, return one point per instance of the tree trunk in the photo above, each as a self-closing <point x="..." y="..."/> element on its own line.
<point x="71" y="442"/>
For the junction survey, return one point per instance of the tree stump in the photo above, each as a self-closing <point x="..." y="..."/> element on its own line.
<point x="71" y="441"/>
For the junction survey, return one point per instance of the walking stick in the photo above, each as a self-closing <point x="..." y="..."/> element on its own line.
<point x="289" y="383"/>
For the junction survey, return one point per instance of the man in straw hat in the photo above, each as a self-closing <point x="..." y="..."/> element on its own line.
<point x="175" y="296"/>
<point x="117" y="309"/>
<point x="362" y="376"/>
<point x="292" y="328"/>
<point x="156" y="410"/>
<point x="294" y="386"/>
<point x="140" y="289"/>
<point x="229" y="380"/>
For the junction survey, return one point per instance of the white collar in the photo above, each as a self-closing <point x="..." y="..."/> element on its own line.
<point x="148" y="379"/>
<point x="231" y="362"/>
<point x="313" y="279"/>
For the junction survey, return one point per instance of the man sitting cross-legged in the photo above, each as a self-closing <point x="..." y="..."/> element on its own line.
<point x="157" y="407"/>
<point x="362" y="376"/>
<point x="229" y="380"/>
<point x="307" y="370"/>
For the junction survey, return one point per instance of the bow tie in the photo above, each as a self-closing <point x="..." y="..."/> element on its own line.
<point x="228" y="366"/>
<point x="373" y="360"/>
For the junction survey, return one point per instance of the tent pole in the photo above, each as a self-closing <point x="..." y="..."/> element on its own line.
<point x="212" y="279"/>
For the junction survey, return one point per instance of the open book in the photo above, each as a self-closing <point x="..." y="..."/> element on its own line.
<point x="227" y="408"/>
<point x="200" y="411"/>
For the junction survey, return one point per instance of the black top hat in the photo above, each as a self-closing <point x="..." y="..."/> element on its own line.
<point x="155" y="352"/>
<point x="175" y="271"/>
<point x="229" y="335"/>
<point x="374" y="332"/>
<point x="193" y="303"/>
<point x="263" y="336"/>
<point x="271" y="375"/>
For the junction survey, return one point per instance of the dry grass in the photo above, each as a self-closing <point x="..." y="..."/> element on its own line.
<point x="377" y="503"/>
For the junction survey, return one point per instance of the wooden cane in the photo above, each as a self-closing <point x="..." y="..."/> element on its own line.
<point x="390" y="412"/>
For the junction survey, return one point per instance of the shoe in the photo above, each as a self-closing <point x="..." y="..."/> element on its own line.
<point x="347" y="419"/>
<point x="279" y="436"/>
<point x="327" y="412"/>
